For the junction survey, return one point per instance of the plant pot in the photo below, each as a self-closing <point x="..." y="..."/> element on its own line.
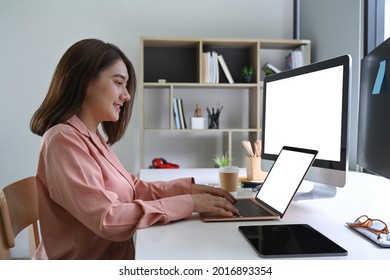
<point x="248" y="79"/>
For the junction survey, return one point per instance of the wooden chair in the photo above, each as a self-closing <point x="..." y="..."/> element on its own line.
<point x="19" y="210"/>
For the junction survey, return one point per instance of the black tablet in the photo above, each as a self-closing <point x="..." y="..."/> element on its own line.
<point x="290" y="240"/>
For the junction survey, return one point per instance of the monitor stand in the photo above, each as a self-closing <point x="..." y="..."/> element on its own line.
<point x="309" y="190"/>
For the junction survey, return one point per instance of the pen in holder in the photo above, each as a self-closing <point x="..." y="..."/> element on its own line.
<point x="213" y="122"/>
<point x="213" y="118"/>
<point x="253" y="161"/>
<point x="253" y="169"/>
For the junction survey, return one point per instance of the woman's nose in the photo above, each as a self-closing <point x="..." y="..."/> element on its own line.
<point x="125" y="95"/>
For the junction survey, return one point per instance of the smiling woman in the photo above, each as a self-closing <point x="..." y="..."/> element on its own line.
<point x="89" y="205"/>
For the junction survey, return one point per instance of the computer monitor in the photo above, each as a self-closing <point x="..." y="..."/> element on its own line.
<point x="373" y="153"/>
<point x="307" y="107"/>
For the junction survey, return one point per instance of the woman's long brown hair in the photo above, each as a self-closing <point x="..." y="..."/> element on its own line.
<point x="81" y="63"/>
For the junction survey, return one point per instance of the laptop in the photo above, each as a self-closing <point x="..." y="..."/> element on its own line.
<point x="278" y="189"/>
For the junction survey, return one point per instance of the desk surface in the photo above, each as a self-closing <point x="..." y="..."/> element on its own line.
<point x="197" y="240"/>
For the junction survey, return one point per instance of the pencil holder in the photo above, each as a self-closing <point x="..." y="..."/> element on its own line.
<point x="213" y="121"/>
<point x="253" y="169"/>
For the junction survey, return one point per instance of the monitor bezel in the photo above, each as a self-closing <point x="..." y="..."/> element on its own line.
<point x="344" y="61"/>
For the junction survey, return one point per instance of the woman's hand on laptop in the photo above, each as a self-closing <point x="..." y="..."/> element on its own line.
<point x="213" y="200"/>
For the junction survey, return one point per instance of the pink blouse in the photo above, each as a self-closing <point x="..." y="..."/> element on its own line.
<point x="89" y="205"/>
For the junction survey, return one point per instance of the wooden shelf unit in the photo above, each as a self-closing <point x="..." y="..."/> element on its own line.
<point x="178" y="61"/>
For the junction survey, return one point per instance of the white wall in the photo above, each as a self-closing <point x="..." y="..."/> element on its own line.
<point x="35" y="34"/>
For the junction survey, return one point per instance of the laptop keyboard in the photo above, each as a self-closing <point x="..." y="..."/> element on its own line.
<point x="249" y="208"/>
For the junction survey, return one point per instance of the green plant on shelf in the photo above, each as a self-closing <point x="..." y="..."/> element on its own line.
<point x="248" y="72"/>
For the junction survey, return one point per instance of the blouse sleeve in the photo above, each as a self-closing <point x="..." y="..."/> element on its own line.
<point x="150" y="194"/>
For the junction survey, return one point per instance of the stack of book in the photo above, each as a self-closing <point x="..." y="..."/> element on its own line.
<point x="178" y="113"/>
<point x="210" y="70"/>
<point x="294" y="59"/>
<point x="297" y="58"/>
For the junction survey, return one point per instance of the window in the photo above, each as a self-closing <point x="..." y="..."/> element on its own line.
<point x="376" y="27"/>
<point x="387" y="19"/>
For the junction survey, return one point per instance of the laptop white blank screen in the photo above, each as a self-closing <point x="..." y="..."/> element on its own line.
<point x="284" y="178"/>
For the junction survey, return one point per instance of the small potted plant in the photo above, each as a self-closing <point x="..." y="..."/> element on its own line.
<point x="221" y="161"/>
<point x="248" y="73"/>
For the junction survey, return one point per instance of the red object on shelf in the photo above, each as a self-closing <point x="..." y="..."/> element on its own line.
<point x="162" y="163"/>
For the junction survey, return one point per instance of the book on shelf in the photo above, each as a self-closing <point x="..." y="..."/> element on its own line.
<point x="297" y="57"/>
<point x="225" y="69"/>
<point x="289" y="61"/>
<point x="176" y="113"/>
<point x="210" y="68"/>
<point x="213" y="68"/>
<point x="182" y="115"/>
<point x="214" y="58"/>
<point x="205" y="66"/>
<point x="269" y="69"/>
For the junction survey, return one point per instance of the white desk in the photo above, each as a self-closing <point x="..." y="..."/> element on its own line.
<point x="193" y="239"/>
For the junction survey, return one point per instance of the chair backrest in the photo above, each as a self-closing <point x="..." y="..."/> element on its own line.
<point x="19" y="210"/>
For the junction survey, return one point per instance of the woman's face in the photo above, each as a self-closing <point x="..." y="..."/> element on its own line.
<point x="105" y="96"/>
